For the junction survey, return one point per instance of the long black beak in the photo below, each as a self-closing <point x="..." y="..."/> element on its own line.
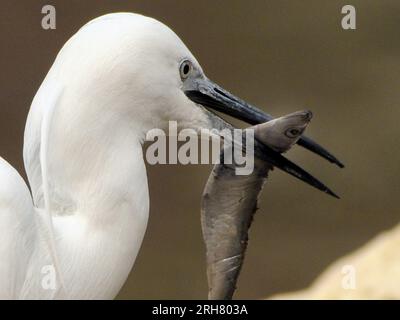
<point x="210" y="95"/>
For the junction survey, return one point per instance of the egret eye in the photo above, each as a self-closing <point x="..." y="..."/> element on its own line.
<point x="293" y="132"/>
<point x="185" y="69"/>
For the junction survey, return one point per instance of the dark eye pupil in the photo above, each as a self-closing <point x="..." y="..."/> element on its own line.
<point x="294" y="131"/>
<point x="186" y="69"/>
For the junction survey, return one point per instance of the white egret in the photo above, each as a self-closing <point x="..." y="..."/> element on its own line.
<point x="118" y="77"/>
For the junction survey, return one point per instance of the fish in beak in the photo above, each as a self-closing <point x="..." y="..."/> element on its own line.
<point x="208" y="94"/>
<point x="227" y="216"/>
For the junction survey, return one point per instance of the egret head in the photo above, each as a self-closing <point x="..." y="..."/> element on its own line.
<point x="131" y="70"/>
<point x="139" y="68"/>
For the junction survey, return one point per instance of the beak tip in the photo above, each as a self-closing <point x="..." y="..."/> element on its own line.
<point x="335" y="160"/>
<point x="330" y="192"/>
<point x="338" y="163"/>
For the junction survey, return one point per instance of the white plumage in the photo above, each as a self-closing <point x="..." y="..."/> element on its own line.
<point x="112" y="81"/>
<point x="116" y="79"/>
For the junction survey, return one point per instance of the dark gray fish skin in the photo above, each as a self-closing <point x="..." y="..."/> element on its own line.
<point x="230" y="201"/>
<point x="228" y="205"/>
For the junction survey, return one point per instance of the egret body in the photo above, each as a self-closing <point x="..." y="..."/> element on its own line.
<point x="118" y="77"/>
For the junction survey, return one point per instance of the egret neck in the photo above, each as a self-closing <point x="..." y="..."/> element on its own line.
<point x="118" y="77"/>
<point x="99" y="200"/>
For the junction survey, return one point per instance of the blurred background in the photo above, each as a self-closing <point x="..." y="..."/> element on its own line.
<point x="282" y="56"/>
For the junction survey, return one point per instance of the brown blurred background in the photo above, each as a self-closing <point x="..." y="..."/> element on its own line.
<point x="282" y="56"/>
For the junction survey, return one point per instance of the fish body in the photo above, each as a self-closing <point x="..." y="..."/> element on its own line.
<point x="229" y="202"/>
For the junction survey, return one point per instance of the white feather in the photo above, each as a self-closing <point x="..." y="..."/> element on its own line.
<point x="83" y="156"/>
